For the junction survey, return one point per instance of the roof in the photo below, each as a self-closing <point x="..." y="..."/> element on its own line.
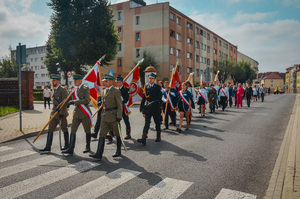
<point x="273" y="76"/>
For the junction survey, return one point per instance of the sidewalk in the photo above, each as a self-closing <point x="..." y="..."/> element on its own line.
<point x="285" y="180"/>
<point x="32" y="122"/>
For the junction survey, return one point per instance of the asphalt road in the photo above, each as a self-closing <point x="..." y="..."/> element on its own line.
<point x="235" y="150"/>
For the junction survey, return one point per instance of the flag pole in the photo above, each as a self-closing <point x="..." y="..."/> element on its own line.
<point x="141" y="61"/>
<point x="169" y="92"/>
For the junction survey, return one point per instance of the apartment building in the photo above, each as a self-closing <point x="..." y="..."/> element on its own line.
<point x="169" y="35"/>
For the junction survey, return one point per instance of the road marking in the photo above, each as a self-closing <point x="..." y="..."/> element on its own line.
<point x="16" y="155"/>
<point x="31" y="184"/>
<point x="167" y="188"/>
<point x="102" y="185"/>
<point x="27" y="165"/>
<point x="5" y="148"/>
<point x="231" y="194"/>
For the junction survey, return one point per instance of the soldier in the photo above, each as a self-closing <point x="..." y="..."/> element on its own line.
<point x="82" y="114"/>
<point x="150" y="107"/>
<point x="125" y="97"/>
<point x="212" y="98"/>
<point x="111" y="116"/>
<point x="60" y="94"/>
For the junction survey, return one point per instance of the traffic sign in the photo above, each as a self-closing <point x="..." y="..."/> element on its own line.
<point x="69" y="73"/>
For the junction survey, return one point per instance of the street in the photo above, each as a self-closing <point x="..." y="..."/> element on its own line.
<point x="234" y="150"/>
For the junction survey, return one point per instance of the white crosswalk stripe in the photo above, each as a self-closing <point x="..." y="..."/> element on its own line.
<point x="168" y="188"/>
<point x="16" y="155"/>
<point x="231" y="194"/>
<point x="102" y="185"/>
<point x="31" y="184"/>
<point x="27" y="165"/>
<point x="5" y="148"/>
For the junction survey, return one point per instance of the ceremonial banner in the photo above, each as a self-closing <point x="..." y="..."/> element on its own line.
<point x="133" y="82"/>
<point x="175" y="83"/>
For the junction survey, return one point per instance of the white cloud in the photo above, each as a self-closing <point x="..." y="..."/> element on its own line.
<point x="241" y="17"/>
<point x="289" y="3"/>
<point x="274" y="45"/>
<point x="18" y="24"/>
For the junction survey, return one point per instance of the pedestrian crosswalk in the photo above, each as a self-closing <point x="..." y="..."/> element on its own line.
<point x="167" y="188"/>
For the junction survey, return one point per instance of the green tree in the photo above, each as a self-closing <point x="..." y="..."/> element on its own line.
<point x="149" y="59"/>
<point x="243" y="72"/>
<point x="237" y="74"/>
<point x="225" y="67"/>
<point x="9" y="68"/>
<point x="81" y="32"/>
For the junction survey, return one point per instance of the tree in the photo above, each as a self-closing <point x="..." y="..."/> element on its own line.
<point x="149" y="59"/>
<point x="243" y="72"/>
<point x="9" y="68"/>
<point x="224" y="66"/>
<point x="81" y="32"/>
<point x="237" y="74"/>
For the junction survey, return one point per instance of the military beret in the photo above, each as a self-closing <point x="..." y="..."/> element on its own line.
<point x="107" y="77"/>
<point x="119" y="79"/>
<point x="212" y="85"/>
<point x="55" y="77"/>
<point x="77" y="76"/>
<point x="152" y="75"/>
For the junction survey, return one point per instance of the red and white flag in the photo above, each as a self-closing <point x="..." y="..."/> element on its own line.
<point x="175" y="83"/>
<point x="92" y="80"/>
<point x="133" y="82"/>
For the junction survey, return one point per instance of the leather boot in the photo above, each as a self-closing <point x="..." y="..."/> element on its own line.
<point x="66" y="137"/>
<point x="128" y="136"/>
<point x="143" y="139"/>
<point x="94" y="135"/>
<point x="88" y="143"/>
<point x="158" y="133"/>
<point x="49" y="142"/>
<point x="100" y="149"/>
<point x="70" y="149"/>
<point x="118" y="152"/>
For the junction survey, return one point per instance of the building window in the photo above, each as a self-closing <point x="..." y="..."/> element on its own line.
<point x="201" y="32"/>
<point x="204" y="47"/>
<point x="271" y="80"/>
<point x="178" y="37"/>
<point x="172" y="51"/>
<point x="172" y="33"/>
<point x="42" y="58"/>
<point x="197" y="58"/>
<point x="36" y="75"/>
<point x="188" y="70"/>
<point x="43" y="67"/>
<point x="201" y="45"/>
<point x="189" y="40"/>
<point x="137" y="52"/>
<point x="197" y="73"/>
<point x="120" y="47"/>
<point x="234" y="51"/>
<point x="204" y="60"/>
<point x="197" y="31"/>
<point x="197" y="44"/>
<point x="36" y="59"/>
<point x="137" y="20"/>
<point x="119" y="15"/>
<point x="220" y="43"/>
<point x="120" y="30"/>
<point x="231" y="48"/>
<point x="189" y="55"/>
<point x="215" y="39"/>
<point x="208" y="61"/>
<point x="37" y="67"/>
<point x="271" y="85"/>
<point x="201" y="59"/>
<point x="119" y="62"/>
<point x="31" y="67"/>
<point x="204" y="34"/>
<point x="189" y="25"/>
<point x="172" y="67"/>
<point x="208" y="36"/>
<point x="42" y="75"/>
<point x="208" y="49"/>
<point x="138" y="36"/>
<point x="215" y="51"/>
<point x="31" y="59"/>
<point x="172" y="16"/>
<point x="178" y="53"/>
<point x="178" y="20"/>
<point x="179" y="69"/>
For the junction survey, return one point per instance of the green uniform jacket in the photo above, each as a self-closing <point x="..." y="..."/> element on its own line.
<point x="212" y="93"/>
<point x="59" y="95"/>
<point x="84" y="98"/>
<point x="112" y="100"/>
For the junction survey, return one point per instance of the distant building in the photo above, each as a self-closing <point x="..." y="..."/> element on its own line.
<point x="292" y="77"/>
<point x="273" y="81"/>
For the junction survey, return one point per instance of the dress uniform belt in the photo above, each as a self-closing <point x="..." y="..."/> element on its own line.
<point x="110" y="109"/>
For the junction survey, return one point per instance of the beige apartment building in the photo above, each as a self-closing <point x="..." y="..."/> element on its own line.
<point x="272" y="81"/>
<point x="169" y="35"/>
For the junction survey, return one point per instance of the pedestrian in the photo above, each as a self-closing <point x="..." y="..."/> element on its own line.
<point x="217" y="87"/>
<point x="194" y="95"/>
<point x="169" y="98"/>
<point x="81" y="115"/>
<point x="248" y="94"/>
<point x="223" y="96"/>
<point x="47" y="96"/>
<point x="239" y="95"/>
<point x="202" y="99"/>
<point x="59" y="95"/>
<point x="125" y="98"/>
<point x="269" y="91"/>
<point x="111" y="116"/>
<point x="212" y="98"/>
<point x="150" y="107"/>
<point x="234" y="93"/>
<point x="230" y="91"/>
<point x="262" y="92"/>
<point x="184" y="106"/>
<point x="254" y="93"/>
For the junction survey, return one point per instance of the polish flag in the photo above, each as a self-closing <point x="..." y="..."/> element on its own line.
<point x="133" y="82"/>
<point x="175" y="83"/>
<point x="92" y="80"/>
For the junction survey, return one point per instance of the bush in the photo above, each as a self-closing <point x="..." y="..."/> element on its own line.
<point x="38" y="94"/>
<point x="7" y="110"/>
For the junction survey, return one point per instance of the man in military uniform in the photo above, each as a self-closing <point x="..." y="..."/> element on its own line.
<point x="125" y="97"/>
<point x="212" y="98"/>
<point x="111" y="116"/>
<point x="150" y="107"/>
<point x="82" y="114"/>
<point x="60" y="94"/>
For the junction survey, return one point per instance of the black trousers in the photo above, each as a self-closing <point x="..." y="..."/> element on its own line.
<point x="248" y="101"/>
<point x="262" y="97"/>
<point x="230" y="101"/>
<point x="170" y="113"/>
<point x="223" y="102"/>
<point x="98" y="122"/>
<point x="156" y="117"/>
<point x="126" y="121"/>
<point x="46" y="99"/>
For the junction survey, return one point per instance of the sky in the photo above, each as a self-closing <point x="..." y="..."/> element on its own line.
<point x="268" y="31"/>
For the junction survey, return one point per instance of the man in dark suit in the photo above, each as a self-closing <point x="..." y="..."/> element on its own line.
<point x="125" y="97"/>
<point x="150" y="107"/>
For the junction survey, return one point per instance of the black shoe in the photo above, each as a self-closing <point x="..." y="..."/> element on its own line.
<point x="88" y="143"/>
<point x="187" y="128"/>
<point x="100" y="149"/>
<point x="158" y="139"/>
<point x="128" y="136"/>
<point x="49" y="142"/>
<point x="94" y="135"/>
<point x="66" y="137"/>
<point x="110" y="139"/>
<point x="143" y="139"/>
<point x="166" y="128"/>
<point x="70" y="149"/>
<point x="118" y="152"/>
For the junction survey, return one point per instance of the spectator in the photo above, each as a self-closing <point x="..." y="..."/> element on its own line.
<point x="46" y="96"/>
